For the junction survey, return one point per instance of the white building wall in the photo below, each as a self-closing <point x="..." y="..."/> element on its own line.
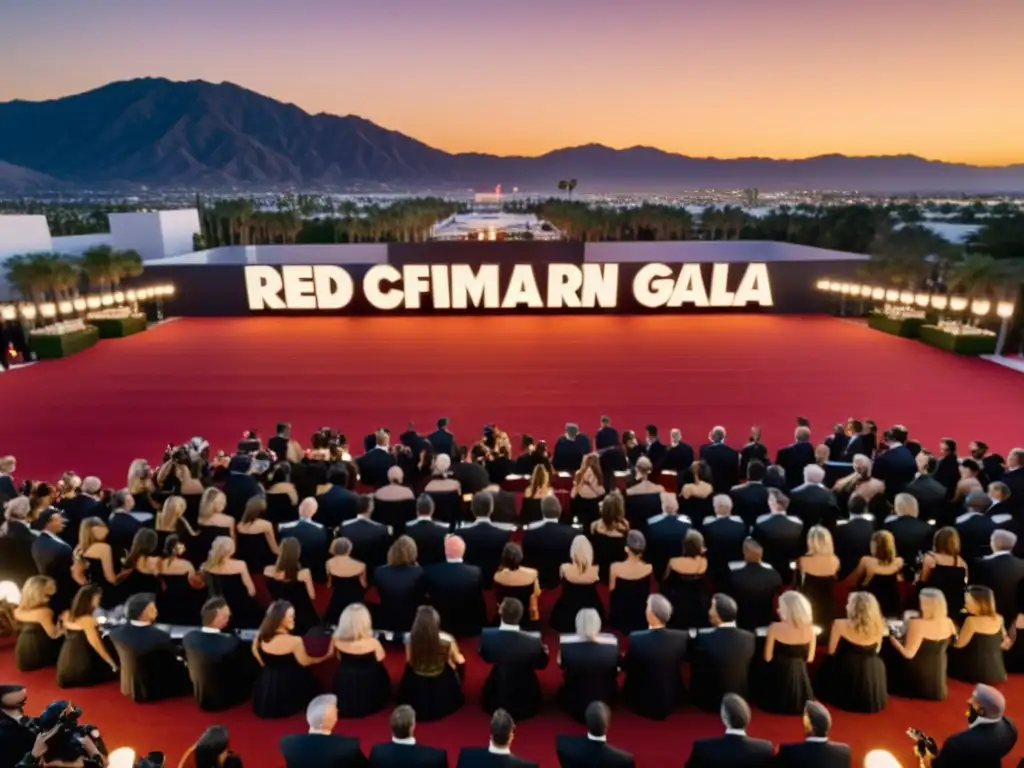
<point x="178" y="228"/>
<point x="137" y="232"/>
<point x="76" y="245"/>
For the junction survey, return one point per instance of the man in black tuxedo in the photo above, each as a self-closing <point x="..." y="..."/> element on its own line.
<point x="812" y="502"/>
<point x="319" y="748"/>
<point x="375" y="463"/>
<point x="8" y="465"/>
<point x="413" y="440"/>
<point x="816" y="751"/>
<point x="724" y="535"/>
<point x="1013" y="477"/>
<point x="754" y="584"/>
<point x="912" y="535"/>
<point x="837" y="442"/>
<point x="754" y="450"/>
<point x="721" y="657"/>
<point x="220" y="665"/>
<point x="975" y="527"/>
<point x="241" y="484"/>
<point x="856" y="444"/>
<point x="16" y="543"/>
<point x="723" y="461"/>
<point x="123" y="524"/>
<point x="735" y="749"/>
<point x="750" y="500"/>
<point x="337" y="504"/>
<point x="653" y="685"/>
<point x="313" y="539"/>
<point x="403" y="751"/>
<point x="929" y="492"/>
<point x="780" y="534"/>
<point x="679" y="456"/>
<point x="947" y="470"/>
<point x="665" y="534"/>
<point x="993" y="465"/>
<point x="654" y="449"/>
<point x="896" y="466"/>
<point x="279" y="442"/>
<point x="546" y="543"/>
<point x="515" y="656"/>
<point x="442" y="440"/>
<point x="592" y="750"/>
<point x="1002" y="572"/>
<point x="150" y="667"/>
<point x="570" y="449"/>
<point x="607" y="436"/>
<point x="456" y="591"/>
<point x="793" y="458"/>
<point x="498" y="754"/>
<point x="428" y="533"/>
<point x="990" y="737"/>
<point x="54" y="557"/>
<point x="370" y="539"/>
<point x="16" y="740"/>
<point x="852" y="537"/>
<point x="85" y="503"/>
<point x="484" y="540"/>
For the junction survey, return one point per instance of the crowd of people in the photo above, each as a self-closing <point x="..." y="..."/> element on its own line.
<point x="839" y="573"/>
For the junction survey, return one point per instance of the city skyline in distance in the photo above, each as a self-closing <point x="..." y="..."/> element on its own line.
<point x="736" y="80"/>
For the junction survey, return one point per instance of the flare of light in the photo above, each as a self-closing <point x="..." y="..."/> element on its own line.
<point x="958" y="303"/>
<point x="1005" y="309"/>
<point x="981" y="306"/>
<point x="9" y="592"/>
<point x="922" y="299"/>
<point x="940" y="302"/>
<point x="122" y="757"/>
<point x="878" y="294"/>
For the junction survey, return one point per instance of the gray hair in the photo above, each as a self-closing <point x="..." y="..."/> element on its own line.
<point x="644" y="465"/>
<point x="572" y="429"/>
<point x="722" y="503"/>
<point x="905" y="505"/>
<point x="813" y="474"/>
<point x="308" y="507"/>
<point x="660" y="606"/>
<point x="550" y="507"/>
<point x="588" y="623"/>
<point x="403" y="720"/>
<point x="718" y="434"/>
<point x="635" y="542"/>
<point x="18" y="508"/>
<point x="120" y="498"/>
<point x="819" y="718"/>
<point x="735" y="711"/>
<point x="482" y="504"/>
<point x="1003" y="540"/>
<point x="424" y="505"/>
<point x="318" y="708"/>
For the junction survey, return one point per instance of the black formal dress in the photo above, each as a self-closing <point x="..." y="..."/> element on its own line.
<point x="783" y="685"/>
<point x="221" y="667"/>
<point x="392" y="755"/>
<point x="819" y="593"/>
<point x="401" y="590"/>
<point x="980" y="661"/>
<point x="589" y="673"/>
<point x="923" y="676"/>
<point x="720" y="664"/>
<point x="283" y="687"/>
<point x="78" y="665"/>
<point x="574" y="598"/>
<point x="690" y="595"/>
<point x="584" y="752"/>
<point x="35" y="649"/>
<point x="913" y="537"/>
<point x="362" y="685"/>
<point x="524" y="594"/>
<point x="628" y="604"/>
<point x="246" y="612"/>
<point x="113" y="594"/>
<point x="512" y="683"/>
<point x="814" y="754"/>
<point x="607" y="550"/>
<point x="983" y="746"/>
<point x="852" y="540"/>
<point x="315" y="750"/>
<point x="665" y="534"/>
<point x="951" y="580"/>
<point x="370" y="541"/>
<point x="853" y="678"/>
<point x="254" y="550"/>
<point x="150" y="667"/>
<point x="177" y="602"/>
<point x="344" y="592"/>
<point x="653" y="686"/>
<point x="295" y="592"/>
<point x="456" y="591"/>
<point x="886" y="589"/>
<point x="433" y="689"/>
<point x="314" y="541"/>
<point x="731" y="751"/>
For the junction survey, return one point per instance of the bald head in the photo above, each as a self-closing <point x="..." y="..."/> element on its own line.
<point x="454" y="548"/>
<point x="1003" y="540"/>
<point x="989" y="702"/>
<point x="308" y="508"/>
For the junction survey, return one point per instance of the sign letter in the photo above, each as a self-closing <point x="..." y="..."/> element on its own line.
<point x="299" y="292"/>
<point x="477" y="290"/>
<point x="383" y="273"/>
<point x="333" y="285"/>
<point x="652" y="286"/>
<point x="564" y="283"/>
<point x="263" y="286"/>
<point x="755" y="287"/>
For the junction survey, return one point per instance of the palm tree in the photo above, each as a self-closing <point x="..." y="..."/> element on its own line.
<point x="571" y="186"/>
<point x="105" y="267"/>
<point x="29" y="275"/>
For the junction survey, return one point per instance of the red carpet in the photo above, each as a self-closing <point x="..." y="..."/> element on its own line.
<point x="126" y="398"/>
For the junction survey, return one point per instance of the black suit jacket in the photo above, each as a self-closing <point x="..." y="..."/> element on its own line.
<point x="7" y="492"/>
<point x="975" y="531"/>
<point x="793" y="458"/>
<point x="836" y="446"/>
<point x="239" y="488"/>
<point x="472" y="477"/>
<point x="335" y="506"/>
<point x="123" y="528"/>
<point x="720" y="665"/>
<point x="15" y="741"/>
<point x="484" y="542"/>
<point x="749" y="501"/>
<point x="665" y="534"/>
<point x="653" y="686"/>
<point x="545" y="547"/>
<point x="783" y="541"/>
<point x="913" y="536"/>
<point x="314" y="750"/>
<point x="391" y="755"/>
<point x="723" y="537"/>
<point x="678" y="458"/>
<point x="656" y="451"/>
<point x="373" y="467"/>
<point x="896" y="468"/>
<point x="456" y="591"/>
<point x="429" y="535"/>
<point x="750" y="452"/>
<point x="75" y="510"/>
<point x="852" y="541"/>
<point x="1004" y="575"/>
<point x="754" y="586"/>
<point x="583" y="752"/>
<point x="724" y="462"/>
<point x="221" y="668"/>
<point x="314" y="540"/>
<point x="606" y="437"/>
<point x="568" y="454"/>
<point x="983" y="746"/>
<point x="370" y="541"/>
<point x="730" y="752"/>
<point x="947" y="473"/>
<point x="150" y="670"/>
<point x="815" y="505"/>
<point x="931" y="498"/>
<point x="53" y="558"/>
<point x="481" y="757"/>
<point x="1015" y="480"/>
<point x="814" y="754"/>
<point x="443" y="441"/>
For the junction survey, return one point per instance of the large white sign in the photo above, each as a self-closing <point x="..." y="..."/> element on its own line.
<point x="461" y="286"/>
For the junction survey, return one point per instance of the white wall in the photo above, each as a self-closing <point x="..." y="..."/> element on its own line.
<point x="178" y="229"/>
<point x="155" y="234"/>
<point x="76" y="245"/>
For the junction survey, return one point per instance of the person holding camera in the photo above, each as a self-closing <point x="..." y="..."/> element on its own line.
<point x="15" y="738"/>
<point x="990" y="735"/>
<point x="58" y="741"/>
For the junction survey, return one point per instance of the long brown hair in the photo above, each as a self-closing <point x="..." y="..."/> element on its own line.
<point x="613" y="512"/>
<point x="540" y="478"/>
<point x="254" y="510"/>
<point x="425" y="644"/>
<point x="81" y="604"/>
<point x="593" y="463"/>
<point x="272" y="620"/>
<point x="143" y="545"/>
<point x="288" y="561"/>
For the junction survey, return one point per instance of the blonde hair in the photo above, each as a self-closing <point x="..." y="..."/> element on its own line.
<point x="906" y="505"/>
<point x="37" y="593"/>
<point x="136" y="480"/>
<point x="883" y="547"/>
<point x="442" y="463"/>
<point x="795" y="608"/>
<point x="173" y="509"/>
<point x="864" y="615"/>
<point x="211" y="502"/>
<point x="933" y="604"/>
<point x="86" y="537"/>
<point x="222" y="549"/>
<point x="539" y="478"/>
<point x="581" y="552"/>
<point x="354" y="624"/>
<point x="819" y="541"/>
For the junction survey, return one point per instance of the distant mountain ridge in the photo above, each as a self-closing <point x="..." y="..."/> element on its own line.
<point x="161" y="133"/>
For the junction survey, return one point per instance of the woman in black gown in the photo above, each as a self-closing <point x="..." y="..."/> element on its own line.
<point x="945" y="570"/>
<point x="254" y="536"/>
<point x="39" y="637"/>
<point x="432" y="681"/>
<point x="977" y="654"/>
<point x="816" y="577"/>
<point x="182" y="594"/>
<point x="686" y="584"/>
<point x="784" y="685"/>
<point x="95" y="562"/>
<point x="346" y="578"/>
<point x="214" y="522"/>
<point x="361" y="681"/>
<point x="608" y="534"/>
<point x="917" y="666"/>
<point x="579" y="587"/>
<point x="513" y="579"/>
<point x="853" y="676"/>
<point x="287" y="580"/>
<point x="629" y="586"/>
<point x="696" y="497"/>
<point x="227" y="577"/>
<point x="84" y="658"/>
<point x="880" y="573"/>
<point x="400" y="587"/>
<point x="141" y="568"/>
<point x="284" y="684"/>
<point x="171" y="521"/>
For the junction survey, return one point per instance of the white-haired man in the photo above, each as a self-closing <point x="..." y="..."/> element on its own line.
<point x="654" y="686"/>
<point x="724" y="534"/>
<point x="723" y="460"/>
<point x="989" y="737"/>
<point x="794" y="457"/>
<point x="734" y="747"/>
<point x="319" y="748"/>
<point x="1002" y="572"/>
<point x="312" y="536"/>
<point x="812" y="502"/>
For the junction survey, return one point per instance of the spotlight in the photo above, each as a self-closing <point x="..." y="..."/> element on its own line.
<point x="880" y="758"/>
<point x="93" y="302"/>
<point x="878" y="294"/>
<point x="822" y="285"/>
<point x="48" y="310"/>
<point x="981" y="306"/>
<point x="1005" y="309"/>
<point x="119" y="297"/>
<point x="168" y="290"/>
<point x="865" y="291"/>
<point x="835" y="287"/>
<point x="958" y="303"/>
<point x="892" y="295"/>
<point x="10" y="592"/>
<point x="130" y="295"/>
<point x="940" y="302"/>
<point x="124" y="757"/>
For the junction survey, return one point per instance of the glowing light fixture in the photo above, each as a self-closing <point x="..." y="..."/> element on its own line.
<point x="835" y="287"/>
<point x="123" y="757"/>
<point x="880" y="758"/>
<point x="866" y="291"/>
<point x="981" y="306"/>
<point x="958" y="303"/>
<point x="922" y="299"/>
<point x="119" y="297"/>
<point x="48" y="310"/>
<point x="1004" y="309"/>
<point x="168" y="290"/>
<point x="940" y="302"/>
<point x="66" y="307"/>
<point x="9" y="592"/>
<point x="107" y="300"/>
<point x="907" y="297"/>
<point x="93" y="302"/>
<point x="9" y="312"/>
<point x="28" y="311"/>
<point x="130" y="295"/>
<point x="892" y="295"/>
<point x="822" y="285"/>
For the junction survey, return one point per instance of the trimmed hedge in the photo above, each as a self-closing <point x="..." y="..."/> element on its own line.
<point x="961" y="344"/>
<point x="49" y="347"/>
<point x="118" y="327"/>
<point x="907" y="327"/>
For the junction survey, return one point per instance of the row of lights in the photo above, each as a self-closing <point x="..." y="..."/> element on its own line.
<point x="82" y="304"/>
<point x="936" y="301"/>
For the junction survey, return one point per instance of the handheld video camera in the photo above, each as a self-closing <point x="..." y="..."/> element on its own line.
<point x="65" y="743"/>
<point x="923" y="743"/>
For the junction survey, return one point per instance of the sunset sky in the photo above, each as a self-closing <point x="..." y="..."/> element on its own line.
<point x="730" y="78"/>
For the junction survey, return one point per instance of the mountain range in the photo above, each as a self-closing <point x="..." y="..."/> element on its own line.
<point x="161" y="133"/>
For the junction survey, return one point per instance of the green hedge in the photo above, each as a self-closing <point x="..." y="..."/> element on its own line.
<point x="907" y="327"/>
<point x="49" y="347"/>
<point x="118" y="327"/>
<point x="962" y="344"/>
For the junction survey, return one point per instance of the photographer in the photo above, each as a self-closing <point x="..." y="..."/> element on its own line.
<point x="989" y="737"/>
<point x="15" y="738"/>
<point x="60" y="742"/>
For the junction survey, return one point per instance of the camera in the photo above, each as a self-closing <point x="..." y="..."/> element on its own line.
<point x="923" y="743"/>
<point x="65" y="743"/>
